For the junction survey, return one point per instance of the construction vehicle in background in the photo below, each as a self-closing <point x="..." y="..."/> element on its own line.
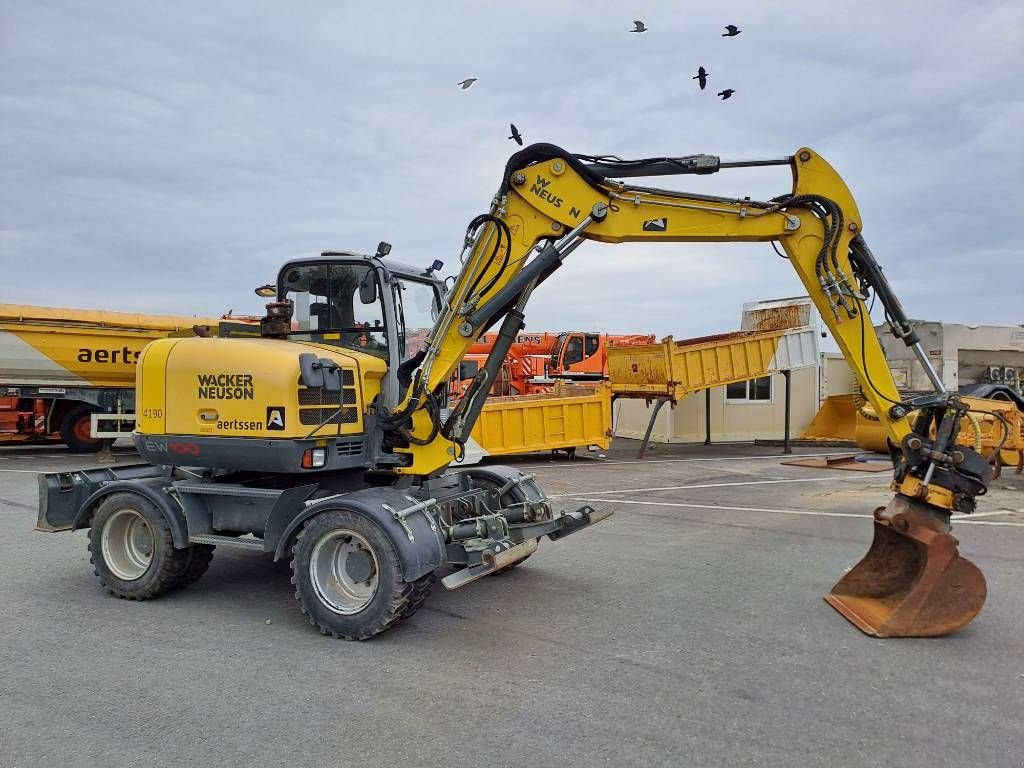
<point x="985" y="364"/>
<point x="312" y="445"/>
<point x="62" y="370"/>
<point x="991" y="426"/>
<point x="537" y="360"/>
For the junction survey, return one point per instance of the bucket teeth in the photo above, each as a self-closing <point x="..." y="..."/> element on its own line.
<point x="913" y="581"/>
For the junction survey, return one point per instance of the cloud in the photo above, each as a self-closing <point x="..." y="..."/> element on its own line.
<point x="168" y="159"/>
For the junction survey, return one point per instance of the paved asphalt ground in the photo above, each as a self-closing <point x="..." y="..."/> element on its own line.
<point x="688" y="630"/>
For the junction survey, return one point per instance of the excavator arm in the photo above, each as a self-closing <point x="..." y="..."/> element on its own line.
<point x="550" y="201"/>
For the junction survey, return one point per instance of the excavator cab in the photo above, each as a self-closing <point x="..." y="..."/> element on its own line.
<point x="359" y="303"/>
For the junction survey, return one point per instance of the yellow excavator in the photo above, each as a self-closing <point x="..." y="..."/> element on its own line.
<point x="330" y="440"/>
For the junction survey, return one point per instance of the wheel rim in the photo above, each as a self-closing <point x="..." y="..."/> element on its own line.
<point x="344" y="572"/>
<point x="83" y="430"/>
<point x="127" y="544"/>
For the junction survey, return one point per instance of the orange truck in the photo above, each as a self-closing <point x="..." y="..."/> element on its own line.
<point x="60" y="367"/>
<point x="537" y="360"/>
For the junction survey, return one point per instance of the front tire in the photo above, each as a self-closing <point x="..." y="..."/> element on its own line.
<point x="131" y="549"/>
<point x="198" y="564"/>
<point x="348" y="578"/>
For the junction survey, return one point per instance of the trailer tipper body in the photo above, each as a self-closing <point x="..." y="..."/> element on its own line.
<point x="59" y="366"/>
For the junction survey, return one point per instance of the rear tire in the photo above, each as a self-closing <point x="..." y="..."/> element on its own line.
<point x="131" y="549"/>
<point x="348" y="578"/>
<point x="75" y="430"/>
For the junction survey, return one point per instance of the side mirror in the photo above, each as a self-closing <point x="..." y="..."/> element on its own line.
<point x="267" y="291"/>
<point x="368" y="288"/>
<point x="310" y="371"/>
<point x="319" y="372"/>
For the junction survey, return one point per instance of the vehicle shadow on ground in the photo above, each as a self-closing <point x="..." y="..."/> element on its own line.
<point x="248" y="587"/>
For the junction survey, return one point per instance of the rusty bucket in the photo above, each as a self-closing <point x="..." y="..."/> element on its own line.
<point x="912" y="582"/>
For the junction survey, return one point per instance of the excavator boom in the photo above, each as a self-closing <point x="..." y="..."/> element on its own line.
<point x="912" y="582"/>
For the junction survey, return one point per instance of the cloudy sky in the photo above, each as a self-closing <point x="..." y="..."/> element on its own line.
<point x="167" y="157"/>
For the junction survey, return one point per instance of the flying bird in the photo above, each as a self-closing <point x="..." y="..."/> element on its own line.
<point x="726" y="93"/>
<point x="516" y="136"/>
<point x="731" y="30"/>
<point x="638" y="26"/>
<point x="701" y="77"/>
<point x="467" y="82"/>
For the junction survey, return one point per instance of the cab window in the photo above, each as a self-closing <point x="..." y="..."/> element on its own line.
<point x="417" y="306"/>
<point x="327" y="307"/>
<point x="573" y="351"/>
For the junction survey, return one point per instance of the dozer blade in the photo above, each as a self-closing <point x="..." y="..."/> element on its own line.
<point x="912" y="582"/>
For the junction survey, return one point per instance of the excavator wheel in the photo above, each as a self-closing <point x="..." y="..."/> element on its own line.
<point x="913" y="581"/>
<point x="348" y="578"/>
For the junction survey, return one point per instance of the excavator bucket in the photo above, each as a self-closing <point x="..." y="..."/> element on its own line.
<point x="912" y="582"/>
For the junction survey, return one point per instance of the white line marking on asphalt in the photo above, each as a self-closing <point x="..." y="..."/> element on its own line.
<point x="804" y="512"/>
<point x="26" y="471"/>
<point x="843" y="478"/>
<point x="962" y="516"/>
<point x="720" y="506"/>
<point x="31" y="456"/>
<point x="592" y="464"/>
<point x="1004" y="523"/>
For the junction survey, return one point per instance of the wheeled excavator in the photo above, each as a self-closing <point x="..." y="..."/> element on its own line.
<point x="329" y="441"/>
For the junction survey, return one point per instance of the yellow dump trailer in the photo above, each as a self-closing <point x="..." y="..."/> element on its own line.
<point x="47" y="346"/>
<point x="566" y="418"/>
<point x="674" y="369"/>
<point x="59" y="367"/>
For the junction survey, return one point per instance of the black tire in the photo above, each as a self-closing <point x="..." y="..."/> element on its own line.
<point x="421" y="589"/>
<point x="198" y="564"/>
<point x="74" y="430"/>
<point x="166" y="565"/>
<point x="390" y="600"/>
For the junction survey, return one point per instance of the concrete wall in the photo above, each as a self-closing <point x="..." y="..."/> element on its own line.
<point x="960" y="353"/>
<point x="730" y="421"/>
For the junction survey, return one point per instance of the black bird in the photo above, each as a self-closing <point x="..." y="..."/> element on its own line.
<point x="731" y="30"/>
<point x="702" y="77"/>
<point x="726" y="93"/>
<point x="638" y="26"/>
<point x="467" y="82"/>
<point x="516" y="136"/>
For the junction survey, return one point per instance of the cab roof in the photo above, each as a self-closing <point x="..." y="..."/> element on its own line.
<point x="396" y="267"/>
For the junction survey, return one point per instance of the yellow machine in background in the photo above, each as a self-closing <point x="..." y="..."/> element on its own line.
<point x="993" y="428"/>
